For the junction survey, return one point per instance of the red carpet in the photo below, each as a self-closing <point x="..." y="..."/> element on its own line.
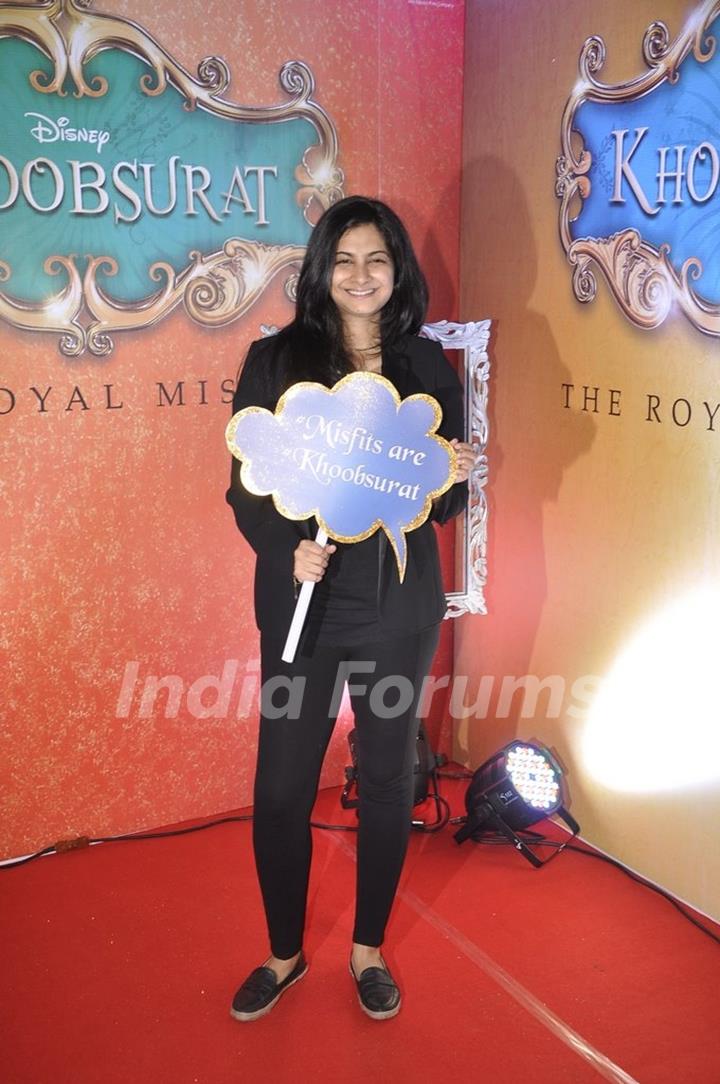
<point x="119" y="964"/>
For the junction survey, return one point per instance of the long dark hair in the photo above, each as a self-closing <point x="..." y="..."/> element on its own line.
<point x="312" y="346"/>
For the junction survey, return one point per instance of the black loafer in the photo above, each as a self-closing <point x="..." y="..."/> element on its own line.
<point x="377" y="992"/>
<point x="261" y="990"/>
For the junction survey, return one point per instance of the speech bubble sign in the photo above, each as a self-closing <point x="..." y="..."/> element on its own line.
<point x="355" y="456"/>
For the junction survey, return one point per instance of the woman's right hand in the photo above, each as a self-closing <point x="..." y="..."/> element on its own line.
<point x="311" y="560"/>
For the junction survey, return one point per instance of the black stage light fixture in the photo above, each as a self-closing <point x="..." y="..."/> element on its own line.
<point x="518" y="786"/>
<point x="424" y="780"/>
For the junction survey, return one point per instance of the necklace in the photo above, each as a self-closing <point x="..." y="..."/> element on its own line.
<point x="368" y="359"/>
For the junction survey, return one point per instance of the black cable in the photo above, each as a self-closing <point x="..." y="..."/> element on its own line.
<point x="442" y="817"/>
<point x="334" y="827"/>
<point x="28" y="858"/>
<point x="648" y="884"/>
<point x="80" y="842"/>
<point x="488" y="838"/>
<point x="175" y="831"/>
<point x="495" y="839"/>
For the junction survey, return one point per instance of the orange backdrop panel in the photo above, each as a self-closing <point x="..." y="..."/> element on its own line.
<point x="602" y="519"/>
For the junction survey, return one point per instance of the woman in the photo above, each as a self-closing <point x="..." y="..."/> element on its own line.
<point x="361" y="300"/>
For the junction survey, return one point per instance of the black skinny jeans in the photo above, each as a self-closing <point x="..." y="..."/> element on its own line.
<point x="290" y="756"/>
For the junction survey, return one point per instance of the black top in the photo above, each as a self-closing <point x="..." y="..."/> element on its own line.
<point x="343" y="609"/>
<point x="362" y="598"/>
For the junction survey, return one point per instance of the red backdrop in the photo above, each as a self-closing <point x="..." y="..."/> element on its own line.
<point x="122" y="558"/>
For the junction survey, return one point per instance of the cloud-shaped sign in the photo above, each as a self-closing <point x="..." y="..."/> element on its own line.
<point x="355" y="456"/>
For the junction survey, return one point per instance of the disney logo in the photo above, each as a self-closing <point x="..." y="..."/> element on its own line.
<point x="48" y="130"/>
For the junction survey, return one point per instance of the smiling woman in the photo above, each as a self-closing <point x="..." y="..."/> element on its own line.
<point x="362" y="282"/>
<point x="361" y="301"/>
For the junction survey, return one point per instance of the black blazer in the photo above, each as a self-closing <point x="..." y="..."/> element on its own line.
<point x="414" y="365"/>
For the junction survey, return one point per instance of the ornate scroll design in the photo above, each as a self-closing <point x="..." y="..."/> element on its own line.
<point x="58" y="314"/>
<point x="472" y="339"/>
<point x="214" y="288"/>
<point x="637" y="274"/>
<point x="641" y="276"/>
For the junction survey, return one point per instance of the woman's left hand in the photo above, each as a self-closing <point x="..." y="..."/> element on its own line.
<point x="466" y="458"/>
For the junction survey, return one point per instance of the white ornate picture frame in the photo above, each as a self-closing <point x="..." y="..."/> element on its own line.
<point x="468" y="596"/>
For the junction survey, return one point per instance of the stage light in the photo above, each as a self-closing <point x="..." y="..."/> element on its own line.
<point x="657" y="703"/>
<point x="517" y="787"/>
<point x="424" y="781"/>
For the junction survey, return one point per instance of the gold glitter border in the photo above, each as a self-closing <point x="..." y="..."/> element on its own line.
<point x="375" y="378"/>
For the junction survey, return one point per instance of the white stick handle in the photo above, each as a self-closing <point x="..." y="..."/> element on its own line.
<point x="301" y="609"/>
